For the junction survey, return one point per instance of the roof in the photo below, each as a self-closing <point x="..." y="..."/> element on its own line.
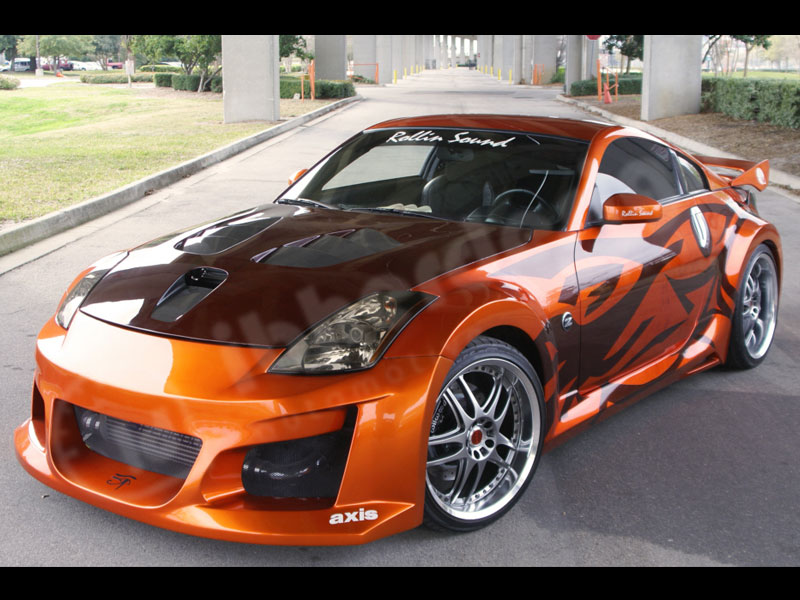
<point x="572" y="128"/>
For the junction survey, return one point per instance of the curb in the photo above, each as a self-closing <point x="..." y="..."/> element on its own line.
<point x="18" y="236"/>
<point x="775" y="176"/>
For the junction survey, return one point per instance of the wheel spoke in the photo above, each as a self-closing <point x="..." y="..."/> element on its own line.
<point x="465" y="387"/>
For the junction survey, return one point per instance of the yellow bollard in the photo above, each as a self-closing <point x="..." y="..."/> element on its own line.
<point x="394" y="76"/>
<point x="510" y="71"/>
<point x="499" y="74"/>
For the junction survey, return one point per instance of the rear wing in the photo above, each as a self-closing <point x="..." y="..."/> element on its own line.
<point x="747" y="172"/>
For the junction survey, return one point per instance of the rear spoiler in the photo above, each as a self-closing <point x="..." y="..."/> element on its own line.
<point x="750" y="173"/>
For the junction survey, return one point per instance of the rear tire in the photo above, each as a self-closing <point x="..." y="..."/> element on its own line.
<point x="485" y="437"/>
<point x="756" y="311"/>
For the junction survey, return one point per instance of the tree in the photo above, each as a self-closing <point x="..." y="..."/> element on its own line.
<point x="56" y="46"/>
<point x="289" y="45"/>
<point x="106" y="47"/>
<point x="750" y="42"/>
<point x="630" y="46"/>
<point x="149" y="46"/>
<point x="8" y="44"/>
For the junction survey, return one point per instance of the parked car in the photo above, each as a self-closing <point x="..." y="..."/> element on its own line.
<point x="86" y="66"/>
<point x="400" y="336"/>
<point x="5" y="66"/>
<point x="114" y="65"/>
<point x="23" y="64"/>
<point x="63" y="65"/>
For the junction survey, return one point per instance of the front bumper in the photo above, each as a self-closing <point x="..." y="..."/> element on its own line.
<point x="223" y="396"/>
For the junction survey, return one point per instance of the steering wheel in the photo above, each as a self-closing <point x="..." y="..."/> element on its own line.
<point x="541" y="200"/>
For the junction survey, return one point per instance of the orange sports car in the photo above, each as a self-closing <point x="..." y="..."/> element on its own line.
<point x="400" y="336"/>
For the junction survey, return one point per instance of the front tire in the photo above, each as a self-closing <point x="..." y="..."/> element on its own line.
<point x="485" y="437"/>
<point x="756" y="311"/>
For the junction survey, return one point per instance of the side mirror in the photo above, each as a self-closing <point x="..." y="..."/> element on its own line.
<point x="631" y="208"/>
<point x="297" y="176"/>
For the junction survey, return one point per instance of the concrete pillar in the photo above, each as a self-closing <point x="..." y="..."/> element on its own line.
<point x="545" y="53"/>
<point x="408" y="54"/>
<point x="574" y="62"/>
<point x="252" y="89"/>
<point x="330" y="53"/>
<point x="517" y="60"/>
<point x="590" y="49"/>
<point x="397" y="56"/>
<point x="364" y="54"/>
<point x="383" y="56"/>
<point x="497" y="54"/>
<point x="486" y="50"/>
<point x="671" y="76"/>
<point x="526" y="61"/>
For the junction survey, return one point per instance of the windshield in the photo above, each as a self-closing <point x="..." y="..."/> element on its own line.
<point x="500" y="178"/>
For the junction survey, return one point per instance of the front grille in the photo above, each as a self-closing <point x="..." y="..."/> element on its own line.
<point x="149" y="448"/>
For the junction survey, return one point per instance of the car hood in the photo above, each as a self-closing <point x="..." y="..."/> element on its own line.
<point x="263" y="277"/>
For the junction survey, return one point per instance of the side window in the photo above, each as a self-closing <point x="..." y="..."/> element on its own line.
<point x="643" y="166"/>
<point x="693" y="178"/>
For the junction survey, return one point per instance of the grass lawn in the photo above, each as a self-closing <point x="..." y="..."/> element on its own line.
<point x="68" y="142"/>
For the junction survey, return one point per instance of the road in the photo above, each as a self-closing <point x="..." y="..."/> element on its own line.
<point x="702" y="473"/>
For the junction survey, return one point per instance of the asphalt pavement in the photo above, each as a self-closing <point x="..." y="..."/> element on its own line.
<point x="703" y="473"/>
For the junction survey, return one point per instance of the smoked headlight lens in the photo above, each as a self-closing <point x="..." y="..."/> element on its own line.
<point x="354" y="337"/>
<point x="76" y="296"/>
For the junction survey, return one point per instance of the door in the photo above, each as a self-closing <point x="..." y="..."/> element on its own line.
<point x="641" y="285"/>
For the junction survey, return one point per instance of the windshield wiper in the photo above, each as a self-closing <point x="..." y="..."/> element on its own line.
<point x="302" y="202"/>
<point x="396" y="211"/>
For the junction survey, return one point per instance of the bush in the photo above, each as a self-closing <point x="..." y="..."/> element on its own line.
<point x="160" y="69"/>
<point x="8" y="83"/>
<point x="334" y="89"/>
<point x="108" y="77"/>
<point x="765" y="100"/>
<point x="185" y="82"/>
<point x="628" y="84"/>
<point x="163" y="79"/>
<point x="322" y="88"/>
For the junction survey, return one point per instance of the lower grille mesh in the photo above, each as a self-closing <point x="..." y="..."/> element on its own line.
<point x="150" y="448"/>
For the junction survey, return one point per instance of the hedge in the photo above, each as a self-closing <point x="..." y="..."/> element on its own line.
<point x="322" y="88"/>
<point x="160" y="69"/>
<point x="109" y="77"/>
<point x="163" y="79"/>
<point x="190" y="83"/>
<point x="764" y="100"/>
<point x="628" y="84"/>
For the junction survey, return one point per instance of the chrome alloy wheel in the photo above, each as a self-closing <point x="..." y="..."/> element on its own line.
<point x="484" y="439"/>
<point x="759" y="306"/>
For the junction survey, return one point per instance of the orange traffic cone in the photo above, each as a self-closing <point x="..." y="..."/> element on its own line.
<point x="606" y="94"/>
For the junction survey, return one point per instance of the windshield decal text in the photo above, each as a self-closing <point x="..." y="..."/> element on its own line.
<point x="463" y="137"/>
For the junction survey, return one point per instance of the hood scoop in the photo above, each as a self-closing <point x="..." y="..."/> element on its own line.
<point x="328" y="249"/>
<point x="187" y="292"/>
<point x="222" y="236"/>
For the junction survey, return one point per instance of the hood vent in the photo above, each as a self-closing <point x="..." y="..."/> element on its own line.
<point x="328" y="249"/>
<point x="187" y="292"/>
<point x="222" y="236"/>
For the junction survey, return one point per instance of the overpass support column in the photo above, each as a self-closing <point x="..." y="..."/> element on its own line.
<point x="364" y="54"/>
<point x="252" y="90"/>
<point x="330" y="56"/>
<point x="671" y="77"/>
<point x="545" y="53"/>
<point x="581" y="60"/>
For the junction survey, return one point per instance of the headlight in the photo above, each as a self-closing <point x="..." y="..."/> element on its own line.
<point x="76" y="296"/>
<point x="354" y="337"/>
